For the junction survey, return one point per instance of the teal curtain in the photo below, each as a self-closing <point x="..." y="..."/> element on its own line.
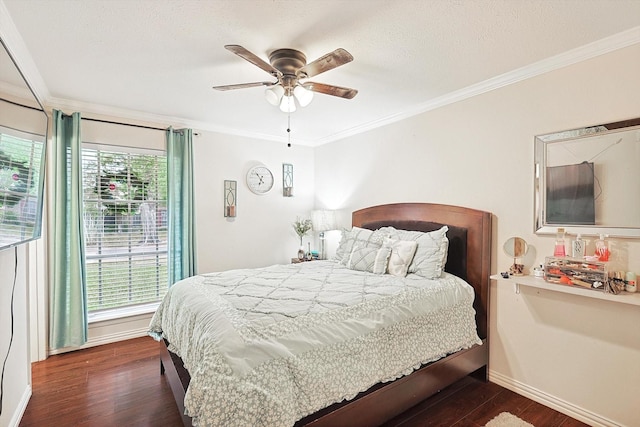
<point x="180" y="205"/>
<point x="68" y="299"/>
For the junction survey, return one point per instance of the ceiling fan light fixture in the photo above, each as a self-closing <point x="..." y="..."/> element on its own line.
<point x="288" y="104"/>
<point x="304" y="96"/>
<point x="274" y="94"/>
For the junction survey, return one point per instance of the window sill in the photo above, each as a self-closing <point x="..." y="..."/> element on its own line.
<point x="121" y="313"/>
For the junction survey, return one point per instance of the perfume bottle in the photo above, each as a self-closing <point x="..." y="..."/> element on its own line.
<point x="560" y="249"/>
<point x="602" y="248"/>
<point x="577" y="247"/>
<point x="308" y="255"/>
<point x="631" y="286"/>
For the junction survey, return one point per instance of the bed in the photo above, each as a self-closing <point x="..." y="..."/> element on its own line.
<point x="468" y="233"/>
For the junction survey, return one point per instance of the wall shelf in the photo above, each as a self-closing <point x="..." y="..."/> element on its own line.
<point x="632" y="298"/>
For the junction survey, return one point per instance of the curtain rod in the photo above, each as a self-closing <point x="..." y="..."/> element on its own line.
<point x="21" y="105"/>
<point x="131" y="124"/>
<point x="123" y="124"/>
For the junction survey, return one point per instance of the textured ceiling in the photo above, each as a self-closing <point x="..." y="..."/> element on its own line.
<point x="156" y="60"/>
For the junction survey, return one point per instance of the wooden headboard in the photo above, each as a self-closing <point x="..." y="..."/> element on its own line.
<point x="469" y="234"/>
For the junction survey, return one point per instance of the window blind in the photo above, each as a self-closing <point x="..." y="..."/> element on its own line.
<point x="125" y="220"/>
<point x="21" y="160"/>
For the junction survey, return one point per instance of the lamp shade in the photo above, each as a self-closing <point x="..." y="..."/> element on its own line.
<point x="274" y="94"/>
<point x="323" y="220"/>
<point x="288" y="104"/>
<point x="304" y="96"/>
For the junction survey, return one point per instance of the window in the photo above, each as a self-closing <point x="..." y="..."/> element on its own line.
<point x="21" y="186"/>
<point x="125" y="221"/>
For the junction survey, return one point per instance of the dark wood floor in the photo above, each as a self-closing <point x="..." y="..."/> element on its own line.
<point x="120" y="385"/>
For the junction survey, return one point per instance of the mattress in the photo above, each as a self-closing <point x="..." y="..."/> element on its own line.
<point x="269" y="346"/>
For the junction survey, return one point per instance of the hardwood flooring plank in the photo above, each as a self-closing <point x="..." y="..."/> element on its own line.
<point x="505" y="401"/>
<point x="540" y="415"/>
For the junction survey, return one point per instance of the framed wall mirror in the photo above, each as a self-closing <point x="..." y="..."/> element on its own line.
<point x="23" y="136"/>
<point x="587" y="180"/>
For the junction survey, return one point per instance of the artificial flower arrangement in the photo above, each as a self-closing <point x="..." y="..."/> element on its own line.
<point x="302" y="227"/>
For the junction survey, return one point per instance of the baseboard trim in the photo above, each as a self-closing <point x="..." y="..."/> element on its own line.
<point x="105" y="339"/>
<point x="115" y="337"/>
<point x="22" y="407"/>
<point x="551" y="401"/>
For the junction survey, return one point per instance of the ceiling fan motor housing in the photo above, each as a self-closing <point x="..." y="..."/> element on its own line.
<point x="288" y="62"/>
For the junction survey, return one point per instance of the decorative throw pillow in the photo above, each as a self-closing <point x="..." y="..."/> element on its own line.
<point x="402" y="252"/>
<point x="431" y="253"/>
<point x="362" y="236"/>
<point x="371" y="259"/>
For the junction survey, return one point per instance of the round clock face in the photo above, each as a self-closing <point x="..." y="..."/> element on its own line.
<point x="259" y="179"/>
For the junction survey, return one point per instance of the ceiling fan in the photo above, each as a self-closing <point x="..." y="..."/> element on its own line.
<point x="289" y="67"/>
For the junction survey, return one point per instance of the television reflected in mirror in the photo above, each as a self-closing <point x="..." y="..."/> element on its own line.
<point x="571" y="194"/>
<point x="23" y="136"/>
<point x="587" y="180"/>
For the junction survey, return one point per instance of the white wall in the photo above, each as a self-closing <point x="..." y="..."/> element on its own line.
<point x="579" y="353"/>
<point x="261" y="233"/>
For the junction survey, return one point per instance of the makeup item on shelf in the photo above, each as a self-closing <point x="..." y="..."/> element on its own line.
<point x="577" y="247"/>
<point x="538" y="271"/>
<point x="560" y="248"/>
<point x="616" y="282"/>
<point x="631" y="286"/>
<point x="602" y="248"/>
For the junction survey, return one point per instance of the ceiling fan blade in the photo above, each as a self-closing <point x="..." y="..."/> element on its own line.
<point x="255" y="60"/>
<point x="243" y="85"/>
<point x="327" y="62"/>
<point x="342" y="92"/>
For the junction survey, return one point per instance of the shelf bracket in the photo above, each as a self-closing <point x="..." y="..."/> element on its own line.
<point x="516" y="287"/>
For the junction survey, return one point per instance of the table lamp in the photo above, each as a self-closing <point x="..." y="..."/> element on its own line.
<point x="323" y="220"/>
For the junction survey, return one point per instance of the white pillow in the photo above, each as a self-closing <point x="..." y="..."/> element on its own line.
<point x="402" y="252"/>
<point x="373" y="260"/>
<point x="431" y="253"/>
<point x="362" y="236"/>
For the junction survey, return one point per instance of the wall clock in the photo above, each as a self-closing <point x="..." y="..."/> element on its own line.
<point x="259" y="179"/>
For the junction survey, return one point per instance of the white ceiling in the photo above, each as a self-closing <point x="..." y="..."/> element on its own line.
<point x="156" y="60"/>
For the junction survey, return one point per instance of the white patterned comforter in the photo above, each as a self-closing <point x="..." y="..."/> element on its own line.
<point x="268" y="346"/>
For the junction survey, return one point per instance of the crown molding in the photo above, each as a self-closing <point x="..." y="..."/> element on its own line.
<point x="600" y="47"/>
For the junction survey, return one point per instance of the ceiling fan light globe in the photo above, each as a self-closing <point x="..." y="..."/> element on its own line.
<point x="304" y="96"/>
<point x="288" y="104"/>
<point x="274" y="94"/>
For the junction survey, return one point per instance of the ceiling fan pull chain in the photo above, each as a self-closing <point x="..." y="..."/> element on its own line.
<point x="289" y="128"/>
